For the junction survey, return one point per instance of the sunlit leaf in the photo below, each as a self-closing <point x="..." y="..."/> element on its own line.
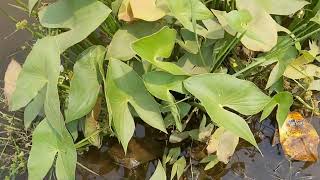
<point x="120" y="46"/>
<point x="125" y="11"/>
<point x="159" y="173"/>
<point x="298" y="138"/>
<point x="158" y="45"/>
<point x="299" y="68"/>
<point x="260" y="28"/>
<point x="218" y="91"/>
<point x="284" y="101"/>
<point x="178" y="168"/>
<point x="283" y="60"/>
<point x="211" y="164"/>
<point x="314" y="85"/>
<point x="124" y="86"/>
<point x="177" y="137"/>
<point x="10" y="78"/>
<point x="146" y="10"/>
<point x="46" y="145"/>
<point x="159" y="84"/>
<point x="282" y="7"/>
<point x="214" y="140"/>
<point x="43" y="63"/>
<point x="82" y="97"/>
<point x="188" y="11"/>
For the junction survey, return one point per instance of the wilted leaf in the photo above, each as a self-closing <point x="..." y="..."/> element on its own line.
<point x="227" y="145"/>
<point x="214" y="140"/>
<point x="302" y="71"/>
<point x="314" y="85"/>
<point x="124" y="86"/>
<point x="46" y="145"/>
<point x="82" y="97"/>
<point x="146" y="10"/>
<point x="261" y="29"/>
<point x="125" y="11"/>
<point x="284" y="101"/>
<point x="217" y="91"/>
<point x="224" y="142"/>
<point x="158" y="45"/>
<point x="10" y="78"/>
<point x="91" y="125"/>
<point x="159" y="173"/>
<point x="178" y="168"/>
<point x="298" y="138"/>
<point x="159" y="84"/>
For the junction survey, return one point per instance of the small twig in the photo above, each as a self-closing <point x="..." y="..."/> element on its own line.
<point x="89" y="170"/>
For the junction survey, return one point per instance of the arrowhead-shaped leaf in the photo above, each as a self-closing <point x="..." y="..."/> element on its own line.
<point x="124" y="86"/>
<point x="284" y="101"/>
<point x="46" y="145"/>
<point x="159" y="84"/>
<point x="82" y="98"/>
<point x="219" y="91"/>
<point x="158" y="45"/>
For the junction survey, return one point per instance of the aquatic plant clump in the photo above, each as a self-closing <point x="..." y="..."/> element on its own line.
<point x="97" y="67"/>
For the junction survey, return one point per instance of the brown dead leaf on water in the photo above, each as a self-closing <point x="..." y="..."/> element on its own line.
<point x="298" y="138"/>
<point x="10" y="79"/>
<point x="91" y="125"/>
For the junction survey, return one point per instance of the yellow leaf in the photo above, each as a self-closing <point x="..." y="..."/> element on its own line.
<point x="10" y="78"/>
<point x="146" y="10"/>
<point x="298" y="138"/>
<point x="125" y="11"/>
<point x="91" y="125"/>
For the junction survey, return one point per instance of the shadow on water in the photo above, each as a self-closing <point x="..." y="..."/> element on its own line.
<point x="145" y="148"/>
<point x="246" y="163"/>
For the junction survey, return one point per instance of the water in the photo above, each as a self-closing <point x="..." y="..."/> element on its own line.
<point x="247" y="162"/>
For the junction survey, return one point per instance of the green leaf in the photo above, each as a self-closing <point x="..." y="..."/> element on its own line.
<point x="173" y="155"/>
<point x="219" y="91"/>
<point x="43" y="63"/>
<point x="178" y="168"/>
<point x="183" y="108"/>
<point x="45" y="146"/>
<point x="159" y="173"/>
<point x="158" y="45"/>
<point x="188" y="41"/>
<point x="33" y="108"/>
<point x="82" y="97"/>
<point x="282" y="7"/>
<point x="124" y="86"/>
<point x="211" y="164"/>
<point x="283" y="60"/>
<point x="284" y="101"/>
<point x="120" y="46"/>
<point x="159" y="84"/>
<point x="188" y="11"/>
<point x="208" y="158"/>
<point x="31" y="4"/>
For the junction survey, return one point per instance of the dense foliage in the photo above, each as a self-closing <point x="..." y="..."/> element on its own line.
<point x="101" y="64"/>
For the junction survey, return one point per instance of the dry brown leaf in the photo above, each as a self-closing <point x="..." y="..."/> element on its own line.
<point x="214" y="140"/>
<point x="91" y="125"/>
<point x="10" y="78"/>
<point x="146" y="10"/>
<point x="298" y="138"/>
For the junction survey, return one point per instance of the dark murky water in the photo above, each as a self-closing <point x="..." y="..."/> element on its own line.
<point x="247" y="163"/>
